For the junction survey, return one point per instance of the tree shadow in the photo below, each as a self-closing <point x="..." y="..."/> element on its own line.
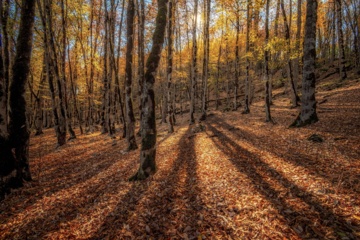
<point x="254" y="168"/>
<point x="289" y="153"/>
<point x="62" y="177"/>
<point x="71" y="204"/>
<point x="173" y="208"/>
<point x="128" y="205"/>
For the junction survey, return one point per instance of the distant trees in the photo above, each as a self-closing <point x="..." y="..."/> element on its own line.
<point x="83" y="66"/>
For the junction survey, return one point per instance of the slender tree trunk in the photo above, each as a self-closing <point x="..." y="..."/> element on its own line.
<point x="148" y="141"/>
<point x="247" y="79"/>
<point x="130" y="118"/>
<point x="59" y="126"/>
<point x="237" y="60"/>
<point x="193" y="66"/>
<point x="333" y="52"/>
<point x="266" y="66"/>
<point x="117" y="77"/>
<point x="294" y="96"/>
<point x="170" y="37"/>
<point x="73" y="89"/>
<point x="141" y="57"/>
<point x="297" y="44"/>
<point x="39" y="103"/>
<point x="55" y="70"/>
<point x="218" y="74"/>
<point x="63" y="70"/>
<point x="105" y="90"/>
<point x="308" y="103"/>
<point x="342" y="60"/>
<point x="205" y="74"/>
<point x="4" y="11"/>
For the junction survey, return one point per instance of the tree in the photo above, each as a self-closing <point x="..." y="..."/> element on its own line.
<point x="14" y="144"/>
<point x="193" y="66"/>
<point x="247" y="79"/>
<point x="205" y="74"/>
<point x="130" y="118"/>
<point x="170" y="37"/>
<point x="342" y="69"/>
<point x="294" y="96"/>
<point x="148" y="134"/>
<point x="266" y="65"/>
<point x="308" y="103"/>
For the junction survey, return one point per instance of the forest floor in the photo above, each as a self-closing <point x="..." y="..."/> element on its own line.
<point x="240" y="178"/>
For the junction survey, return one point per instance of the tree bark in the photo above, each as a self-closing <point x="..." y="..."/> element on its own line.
<point x="148" y="141"/>
<point x="130" y="118"/>
<point x="342" y="60"/>
<point x="297" y="44"/>
<point x="308" y="103"/>
<point x="205" y="74"/>
<point x="266" y="66"/>
<point x="193" y="66"/>
<point x="294" y="96"/>
<point x="15" y="150"/>
<point x="170" y="37"/>
<point x="247" y="79"/>
<point x="4" y="11"/>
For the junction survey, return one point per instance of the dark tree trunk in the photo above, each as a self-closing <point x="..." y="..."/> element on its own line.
<point x="14" y="151"/>
<point x="63" y="72"/>
<point x="130" y="118"/>
<point x="266" y="66"/>
<point x="247" y="79"/>
<point x="193" y="67"/>
<point x="294" y="96"/>
<point x="141" y="58"/>
<point x="4" y="12"/>
<point x="205" y="75"/>
<point x="170" y="37"/>
<point x="342" y="61"/>
<point x="148" y="141"/>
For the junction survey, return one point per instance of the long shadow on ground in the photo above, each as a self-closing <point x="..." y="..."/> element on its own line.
<point x="60" y="178"/>
<point x="255" y="169"/>
<point x="291" y="155"/>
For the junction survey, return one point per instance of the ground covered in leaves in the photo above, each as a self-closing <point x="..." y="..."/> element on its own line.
<point x="239" y="178"/>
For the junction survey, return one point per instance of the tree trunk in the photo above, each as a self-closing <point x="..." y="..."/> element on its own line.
<point x="63" y="71"/>
<point x="205" y="74"/>
<point x="14" y="150"/>
<point x="141" y="58"/>
<point x="294" y="96"/>
<point x="170" y="37"/>
<point x="308" y="103"/>
<point x="297" y="44"/>
<point x="148" y="141"/>
<point x="130" y="118"/>
<point x="4" y="11"/>
<point x="193" y="66"/>
<point x="266" y="66"/>
<point x="237" y="61"/>
<point x="342" y="61"/>
<point x="52" y="59"/>
<point x="59" y="126"/>
<point x="247" y="79"/>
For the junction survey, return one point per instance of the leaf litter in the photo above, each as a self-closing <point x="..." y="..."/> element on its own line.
<point x="239" y="178"/>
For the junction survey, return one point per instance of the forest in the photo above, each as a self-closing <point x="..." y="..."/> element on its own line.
<point x="179" y="119"/>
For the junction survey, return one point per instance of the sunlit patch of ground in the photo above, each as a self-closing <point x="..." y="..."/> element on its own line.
<point x="241" y="178"/>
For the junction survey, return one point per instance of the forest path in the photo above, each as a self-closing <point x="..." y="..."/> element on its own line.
<point x="239" y="178"/>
